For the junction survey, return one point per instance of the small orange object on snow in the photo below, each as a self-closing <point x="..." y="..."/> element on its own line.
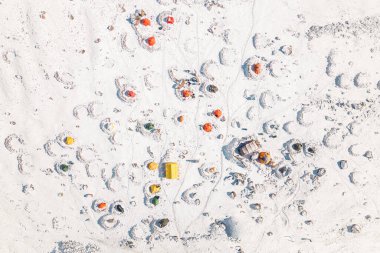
<point x="212" y="170"/>
<point x="151" y="41"/>
<point x="264" y="158"/>
<point x="217" y="113"/>
<point x="257" y="68"/>
<point x="145" y="22"/>
<point x="207" y="127"/>
<point x="102" y="205"/>
<point x="170" y="20"/>
<point x="187" y="93"/>
<point x="181" y="118"/>
<point x="131" y="94"/>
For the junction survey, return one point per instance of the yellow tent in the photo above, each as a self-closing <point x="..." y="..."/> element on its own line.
<point x="152" y="166"/>
<point x="69" y="140"/>
<point x="155" y="188"/>
<point x="171" y="170"/>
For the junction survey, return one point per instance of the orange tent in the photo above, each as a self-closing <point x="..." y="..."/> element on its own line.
<point x="102" y="205"/>
<point x="257" y="68"/>
<point x="170" y="20"/>
<point x="264" y="158"/>
<point x="151" y="41"/>
<point x="207" y="127"/>
<point x="131" y="94"/>
<point x="145" y="22"/>
<point x="187" y="93"/>
<point x="217" y="113"/>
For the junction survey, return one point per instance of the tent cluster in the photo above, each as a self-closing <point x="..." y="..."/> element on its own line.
<point x="153" y="189"/>
<point x="217" y="114"/>
<point x="146" y="29"/>
<point x="185" y="86"/>
<point x="188" y="84"/>
<point x="109" y="212"/>
<point x="152" y="192"/>
<point x="249" y="149"/>
<point x="171" y="169"/>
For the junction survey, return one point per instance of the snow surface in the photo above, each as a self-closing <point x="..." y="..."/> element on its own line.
<point x="66" y="68"/>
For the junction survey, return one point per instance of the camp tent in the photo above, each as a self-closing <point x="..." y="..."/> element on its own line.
<point x="171" y="170"/>
<point x="155" y="188"/>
